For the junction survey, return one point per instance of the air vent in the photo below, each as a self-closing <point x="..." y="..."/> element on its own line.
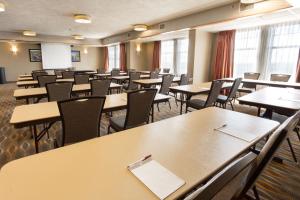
<point x="161" y="26"/>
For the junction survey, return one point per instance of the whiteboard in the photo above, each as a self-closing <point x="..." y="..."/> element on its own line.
<point x="56" y="56"/>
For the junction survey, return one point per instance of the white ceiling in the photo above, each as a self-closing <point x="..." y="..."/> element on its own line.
<point x="109" y="17"/>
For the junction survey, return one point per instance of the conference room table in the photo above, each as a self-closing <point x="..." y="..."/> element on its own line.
<point x="30" y="78"/>
<point x="41" y="92"/>
<point x="34" y="83"/>
<point x="121" y="79"/>
<point x="48" y="112"/>
<point x="286" y="100"/>
<point x="105" y="75"/>
<point x="267" y="83"/>
<point x="187" y="145"/>
<point x="194" y="89"/>
<point x="147" y="83"/>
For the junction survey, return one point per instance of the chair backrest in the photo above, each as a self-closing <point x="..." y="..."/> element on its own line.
<point x="228" y="182"/>
<point x="81" y="78"/>
<point x="139" y="104"/>
<point x="133" y="76"/>
<point x="101" y="71"/>
<point x="166" y="84"/>
<point x="44" y="79"/>
<point x="280" y="77"/>
<point x="58" y="72"/>
<point x="59" y="91"/>
<point x="270" y="148"/>
<point x="100" y="87"/>
<point x="184" y="79"/>
<point x="166" y="70"/>
<point x="234" y="88"/>
<point x="81" y="118"/>
<point x="154" y="75"/>
<point x="157" y="70"/>
<point x="215" y="89"/>
<point x="115" y="72"/>
<point x="68" y="74"/>
<point x="131" y="70"/>
<point x="35" y="74"/>
<point x="252" y="76"/>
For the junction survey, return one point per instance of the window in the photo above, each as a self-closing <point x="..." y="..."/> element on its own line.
<point x="284" y="44"/>
<point x="174" y="55"/>
<point x="114" y="57"/>
<point x="167" y="54"/>
<point x="246" y="51"/>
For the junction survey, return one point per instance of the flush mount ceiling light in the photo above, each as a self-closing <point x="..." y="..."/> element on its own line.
<point x="82" y="18"/>
<point x="250" y="1"/>
<point x="78" y="37"/>
<point x="2" y="7"/>
<point x="29" y="33"/>
<point x="294" y="3"/>
<point x="140" y="27"/>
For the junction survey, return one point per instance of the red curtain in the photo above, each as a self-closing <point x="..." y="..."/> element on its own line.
<point x="105" y="58"/>
<point x="224" y="55"/>
<point x="156" y="55"/>
<point x="298" y="69"/>
<point x="123" y="57"/>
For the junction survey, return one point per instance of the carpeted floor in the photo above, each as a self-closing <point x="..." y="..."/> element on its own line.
<point x="279" y="181"/>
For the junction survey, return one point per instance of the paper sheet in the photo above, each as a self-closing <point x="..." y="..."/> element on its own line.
<point x="241" y="134"/>
<point x="157" y="178"/>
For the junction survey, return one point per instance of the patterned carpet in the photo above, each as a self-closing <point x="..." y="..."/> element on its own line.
<point x="279" y="181"/>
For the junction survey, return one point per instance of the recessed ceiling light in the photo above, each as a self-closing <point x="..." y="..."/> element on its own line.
<point x="82" y="18"/>
<point x="250" y="1"/>
<point x="78" y="37"/>
<point x="29" y="33"/>
<point x="2" y="7"/>
<point x="140" y="27"/>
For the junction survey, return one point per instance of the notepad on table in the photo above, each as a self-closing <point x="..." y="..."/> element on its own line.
<point x="241" y="134"/>
<point x="157" y="178"/>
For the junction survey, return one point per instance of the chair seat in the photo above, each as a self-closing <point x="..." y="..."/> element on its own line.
<point x="222" y="99"/>
<point x="117" y="123"/>
<point x="196" y="103"/>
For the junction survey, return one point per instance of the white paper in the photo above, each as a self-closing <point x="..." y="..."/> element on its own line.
<point x="157" y="178"/>
<point x="241" y="134"/>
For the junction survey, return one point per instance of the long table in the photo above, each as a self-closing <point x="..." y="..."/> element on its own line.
<point x="187" y="145"/>
<point x="48" y="112"/>
<point x="41" y="92"/>
<point x="194" y="89"/>
<point x="267" y="83"/>
<point x="33" y="83"/>
<point x="109" y="74"/>
<point x="146" y="83"/>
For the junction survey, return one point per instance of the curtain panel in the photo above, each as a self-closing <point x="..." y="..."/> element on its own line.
<point x="224" y="55"/>
<point x="105" y="58"/>
<point x="156" y="55"/>
<point x="123" y="66"/>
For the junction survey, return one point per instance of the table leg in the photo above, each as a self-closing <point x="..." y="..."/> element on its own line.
<point x="152" y="117"/>
<point x="36" y="142"/>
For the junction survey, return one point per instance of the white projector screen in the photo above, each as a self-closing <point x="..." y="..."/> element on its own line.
<point x="56" y="56"/>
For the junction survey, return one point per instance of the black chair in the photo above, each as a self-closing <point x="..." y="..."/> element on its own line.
<point x="81" y="78"/>
<point x="115" y="72"/>
<point x="223" y="99"/>
<point x="100" y="87"/>
<point x="249" y="87"/>
<point x="165" y="87"/>
<point x="44" y="79"/>
<point x="166" y="70"/>
<point x="139" y="104"/>
<point x="280" y="77"/>
<point x="81" y="118"/>
<point x="35" y="74"/>
<point x="132" y="77"/>
<point x="68" y="74"/>
<point x="154" y="75"/>
<point x="58" y="72"/>
<point x="59" y="91"/>
<point x="213" y="94"/>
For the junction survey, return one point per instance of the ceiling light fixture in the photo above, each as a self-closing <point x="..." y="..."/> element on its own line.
<point x="2" y="7"/>
<point x="78" y="37"/>
<point x="82" y="18"/>
<point x="140" y="27"/>
<point x="250" y="1"/>
<point x="29" y="33"/>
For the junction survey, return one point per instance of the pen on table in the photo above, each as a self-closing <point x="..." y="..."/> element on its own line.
<point x="224" y="125"/>
<point x="139" y="161"/>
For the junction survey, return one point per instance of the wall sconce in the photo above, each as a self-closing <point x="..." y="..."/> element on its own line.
<point x="85" y="51"/>
<point x="138" y="48"/>
<point x="14" y="49"/>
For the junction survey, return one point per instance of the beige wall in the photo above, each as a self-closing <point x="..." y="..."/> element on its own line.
<point x="140" y="60"/>
<point x="203" y="54"/>
<point x="93" y="60"/>
<point x="19" y="63"/>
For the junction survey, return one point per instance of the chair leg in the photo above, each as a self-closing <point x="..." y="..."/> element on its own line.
<point x="292" y="150"/>
<point x="255" y="193"/>
<point x="169" y="104"/>
<point x="108" y="129"/>
<point x="157" y="107"/>
<point x="186" y="108"/>
<point x="297" y="132"/>
<point x="231" y="105"/>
